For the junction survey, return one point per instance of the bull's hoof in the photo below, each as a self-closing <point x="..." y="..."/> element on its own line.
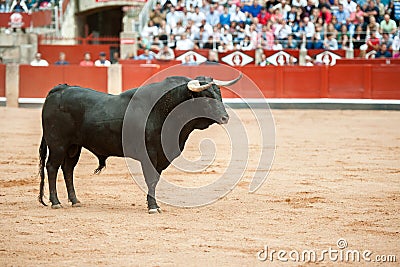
<point x="77" y="204"/>
<point x="155" y="210"/>
<point x="56" y="206"/>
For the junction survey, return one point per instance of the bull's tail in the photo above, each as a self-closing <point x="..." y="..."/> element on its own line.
<point x="42" y="160"/>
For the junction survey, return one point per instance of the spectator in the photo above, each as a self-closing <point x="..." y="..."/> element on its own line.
<point x="317" y="40"/>
<point x="264" y="62"/>
<point x="299" y="3"/>
<point x="166" y="53"/>
<point x="149" y="30"/>
<point x="396" y="43"/>
<point x="189" y="61"/>
<point x="173" y="17"/>
<point x="330" y="42"/>
<point x="371" y="10"/>
<point x="277" y="45"/>
<point x="383" y="52"/>
<point x="373" y="41"/>
<point x="212" y="16"/>
<point x="343" y="37"/>
<point x="349" y="5"/>
<point x="309" y="61"/>
<point x="19" y="6"/>
<point x="102" y="61"/>
<point x="388" y="25"/>
<point x="238" y="15"/>
<point x="358" y="37"/>
<point x="373" y="26"/>
<point x="184" y="43"/>
<point x="61" y="59"/>
<point x="115" y="58"/>
<point x="309" y="30"/>
<point x="283" y="7"/>
<point x="282" y="30"/>
<point x="326" y="15"/>
<point x="87" y="60"/>
<point x="246" y="44"/>
<point x="291" y="43"/>
<point x="341" y="14"/>
<point x="197" y="16"/>
<point x="212" y="57"/>
<point x="38" y="61"/>
<point x="381" y="8"/>
<point x="387" y="40"/>
<point x="253" y="9"/>
<point x="225" y="17"/>
<point x="147" y="55"/>
<point x="157" y="16"/>
<point x="356" y="16"/>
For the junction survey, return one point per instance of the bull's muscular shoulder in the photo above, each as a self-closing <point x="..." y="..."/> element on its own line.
<point x="58" y="88"/>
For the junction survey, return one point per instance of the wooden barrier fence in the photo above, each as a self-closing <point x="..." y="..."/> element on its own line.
<point x="345" y="81"/>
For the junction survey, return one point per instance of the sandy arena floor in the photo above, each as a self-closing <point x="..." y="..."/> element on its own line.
<point x="336" y="174"/>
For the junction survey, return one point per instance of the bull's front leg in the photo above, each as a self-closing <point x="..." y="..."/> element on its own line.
<point x="151" y="176"/>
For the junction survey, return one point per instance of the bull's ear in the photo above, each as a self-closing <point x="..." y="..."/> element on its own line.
<point x="194" y="86"/>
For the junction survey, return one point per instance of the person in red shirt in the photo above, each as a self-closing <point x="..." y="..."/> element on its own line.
<point x="373" y="41"/>
<point x="87" y="60"/>
<point x="326" y="14"/>
<point x="263" y="16"/>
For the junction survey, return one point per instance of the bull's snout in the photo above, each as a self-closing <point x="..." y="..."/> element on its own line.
<point x="224" y="119"/>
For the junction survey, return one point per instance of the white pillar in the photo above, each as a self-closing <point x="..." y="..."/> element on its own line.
<point x="114" y="79"/>
<point x="12" y="85"/>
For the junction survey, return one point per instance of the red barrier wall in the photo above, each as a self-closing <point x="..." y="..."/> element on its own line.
<point x="36" y="82"/>
<point x="341" y="81"/>
<point x="2" y="80"/>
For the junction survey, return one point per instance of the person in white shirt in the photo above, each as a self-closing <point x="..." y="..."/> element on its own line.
<point x="102" y="61"/>
<point x="197" y="16"/>
<point x="349" y="5"/>
<point x="184" y="43"/>
<point x="173" y="17"/>
<point x="238" y="15"/>
<point x="38" y="61"/>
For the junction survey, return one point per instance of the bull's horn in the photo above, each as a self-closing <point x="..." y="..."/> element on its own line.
<point x="194" y="85"/>
<point x="227" y="83"/>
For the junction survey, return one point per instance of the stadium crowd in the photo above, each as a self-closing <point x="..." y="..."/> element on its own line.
<point x="274" y="25"/>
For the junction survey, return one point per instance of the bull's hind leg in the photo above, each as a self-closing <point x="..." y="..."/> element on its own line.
<point x="67" y="167"/>
<point x="54" y="161"/>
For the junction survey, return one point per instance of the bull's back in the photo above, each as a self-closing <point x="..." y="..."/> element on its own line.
<point x="75" y="115"/>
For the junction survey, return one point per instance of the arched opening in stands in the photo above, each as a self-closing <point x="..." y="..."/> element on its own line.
<point x="105" y="22"/>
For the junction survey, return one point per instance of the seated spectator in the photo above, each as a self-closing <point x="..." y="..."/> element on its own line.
<point x="171" y="43"/>
<point x="197" y="16"/>
<point x="292" y="61"/>
<point x="282" y="30"/>
<point x="156" y="44"/>
<point x="373" y="26"/>
<point x="387" y="40"/>
<point x="396" y="45"/>
<point x="277" y="45"/>
<point x="342" y="15"/>
<point x="343" y="37"/>
<point x="238" y="15"/>
<point x="225" y="17"/>
<point x="246" y="44"/>
<point x="143" y="43"/>
<point x="383" y="52"/>
<point x="61" y="59"/>
<point x="102" y="61"/>
<point x="358" y="37"/>
<point x="38" y="61"/>
<point x="212" y="16"/>
<point x="291" y="43"/>
<point x="149" y="30"/>
<point x="325" y="14"/>
<point x="18" y="6"/>
<point x="283" y="7"/>
<point x="373" y="41"/>
<point x="309" y="61"/>
<point x="157" y="16"/>
<point x="212" y="57"/>
<point x="189" y="61"/>
<point x="147" y="55"/>
<point x="330" y="43"/>
<point x="253" y="9"/>
<point x="87" y="60"/>
<point x="317" y="39"/>
<point x="115" y="58"/>
<point x="32" y="5"/>
<point x="184" y="43"/>
<point x="264" y="62"/>
<point x="388" y="25"/>
<point x="166" y="53"/>
<point x="355" y="17"/>
<point x="173" y="17"/>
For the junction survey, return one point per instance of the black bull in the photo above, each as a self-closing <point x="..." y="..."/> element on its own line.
<point x="75" y="117"/>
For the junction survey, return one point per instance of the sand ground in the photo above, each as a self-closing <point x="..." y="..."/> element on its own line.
<point x="336" y="174"/>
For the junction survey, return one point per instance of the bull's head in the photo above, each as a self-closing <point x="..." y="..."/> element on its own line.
<point x="208" y="88"/>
